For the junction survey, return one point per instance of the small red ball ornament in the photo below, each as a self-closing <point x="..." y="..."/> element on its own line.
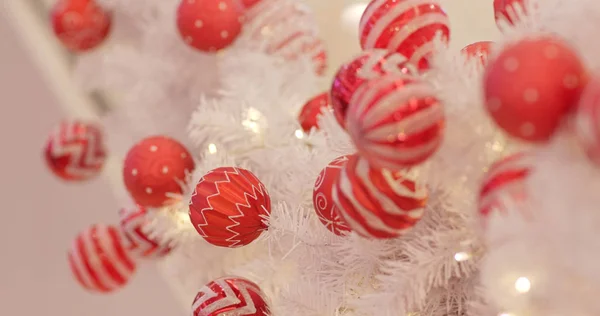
<point x="75" y="151"/>
<point x="587" y="120"/>
<point x="322" y="201"/>
<point x="209" y="25"/>
<point x="506" y="10"/>
<point x="479" y="50"/>
<point x="99" y="260"/>
<point x="404" y="26"/>
<point x="233" y="296"/>
<point x="134" y="225"/>
<point x="80" y="24"/>
<point x="396" y="122"/>
<point x="309" y="116"/>
<point x="367" y="66"/>
<point x="378" y="203"/>
<point x="525" y="102"/>
<point x="228" y="207"/>
<point x="155" y="168"/>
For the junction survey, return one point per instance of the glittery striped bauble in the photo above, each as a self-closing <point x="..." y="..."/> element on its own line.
<point x="322" y="201"/>
<point x="231" y="296"/>
<point x="80" y="25"/>
<point x="228" y="207"/>
<point x="75" y="151"/>
<point x="99" y="260"/>
<point x="404" y="26"/>
<point x="140" y="242"/>
<point x="396" y="121"/>
<point x="479" y="50"/>
<point x="378" y="203"/>
<point x="505" y="182"/>
<point x="587" y="120"/>
<point x="507" y="10"/>
<point x="367" y="66"/>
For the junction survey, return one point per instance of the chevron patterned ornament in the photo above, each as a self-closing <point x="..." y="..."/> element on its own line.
<point x="231" y="296"/>
<point x="134" y="225"/>
<point x="99" y="260"/>
<point x="378" y="203"/>
<point x="228" y="207"/>
<point x="75" y="151"/>
<point x="323" y="203"/>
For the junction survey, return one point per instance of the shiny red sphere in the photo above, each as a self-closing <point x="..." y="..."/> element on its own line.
<point x="80" y="25"/>
<point x="322" y="200"/>
<point x="311" y="111"/>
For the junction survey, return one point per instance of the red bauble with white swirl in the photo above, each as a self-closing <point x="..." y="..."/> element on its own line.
<point x="404" y="26"/>
<point x="505" y="182"/>
<point x="378" y="203"/>
<point x="367" y="66"/>
<point x="396" y="122"/>
<point x="322" y="201"/>
<point x="99" y="260"/>
<point x="229" y="206"/>
<point x="232" y="296"/>
<point x="209" y="25"/>
<point x="535" y="102"/>
<point x="311" y="111"/>
<point x="155" y="168"/>
<point x="479" y="50"/>
<point x="140" y="242"/>
<point x="75" y="151"/>
<point x="80" y="25"/>
<point x="507" y="10"/>
<point x="587" y="120"/>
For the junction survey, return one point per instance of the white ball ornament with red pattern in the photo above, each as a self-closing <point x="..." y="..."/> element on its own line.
<point x="99" y="260"/>
<point x="323" y="202"/>
<point x="232" y="296"/>
<point x="140" y="242"/>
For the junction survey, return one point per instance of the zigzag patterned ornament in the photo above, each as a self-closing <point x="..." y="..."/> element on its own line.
<point x="228" y="207"/>
<point x="231" y="296"/>
<point x="378" y="203"/>
<point x="75" y="151"/>
<point x="323" y="203"/>
<point x="134" y="225"/>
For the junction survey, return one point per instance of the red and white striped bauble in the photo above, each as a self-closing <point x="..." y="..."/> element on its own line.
<point x="322" y="201"/>
<point x="404" y="26"/>
<point x="396" y="121"/>
<point x="134" y="225"/>
<point x="99" y="260"/>
<point x="75" y="151"/>
<point x="509" y="10"/>
<point x="504" y="182"/>
<point x="378" y="203"/>
<point x="587" y="120"/>
<point x="233" y="296"/>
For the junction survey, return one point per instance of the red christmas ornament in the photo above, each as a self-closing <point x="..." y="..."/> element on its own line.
<point x="229" y="206"/>
<point x="396" y="122"/>
<point x="155" y="168"/>
<point x="233" y="296"/>
<point x="80" y="24"/>
<point x="248" y="4"/>
<point x="377" y="203"/>
<point x="505" y="181"/>
<point x="75" y="151"/>
<point x="506" y="10"/>
<point x="324" y="206"/>
<point x="404" y="26"/>
<point x="209" y="25"/>
<point x="529" y="103"/>
<point x="367" y="66"/>
<point x="479" y="50"/>
<point x="99" y="260"/>
<point x="134" y="224"/>
<point x="587" y="120"/>
<point x="309" y="116"/>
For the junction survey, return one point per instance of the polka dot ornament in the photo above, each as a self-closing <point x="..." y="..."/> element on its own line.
<point x="531" y="85"/>
<point x="154" y="168"/>
<point x="209" y="25"/>
<point x="80" y="25"/>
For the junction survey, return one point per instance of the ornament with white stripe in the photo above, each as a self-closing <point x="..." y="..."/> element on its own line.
<point x="229" y="206"/>
<point x="140" y="242"/>
<point x="404" y="26"/>
<point x="378" y="203"/>
<point x="232" y="296"/>
<point x="395" y="121"/>
<point x="587" y="120"/>
<point x="75" y="151"/>
<point x="99" y="260"/>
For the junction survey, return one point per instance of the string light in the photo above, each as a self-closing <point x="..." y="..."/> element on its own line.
<point x="299" y="134"/>
<point x="506" y="314"/>
<point x="462" y="256"/>
<point x="212" y="149"/>
<point x="522" y="285"/>
<point x="252" y="120"/>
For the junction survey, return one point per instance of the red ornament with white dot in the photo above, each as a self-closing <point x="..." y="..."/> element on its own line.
<point x="155" y="168"/>
<point x="587" y="120"/>
<point x="367" y="66"/>
<point x="404" y="26"/>
<point x="396" y="121"/>
<point x="525" y="102"/>
<point x="209" y="25"/>
<point x="99" y="260"/>
<point x="80" y="25"/>
<point x="479" y="50"/>
<point x="378" y="203"/>
<point x="75" y="151"/>
<point x="508" y="10"/>
<point x="311" y="111"/>
<point x="140" y="241"/>
<point x="233" y="296"/>
<point x="323" y="202"/>
<point x="228" y="207"/>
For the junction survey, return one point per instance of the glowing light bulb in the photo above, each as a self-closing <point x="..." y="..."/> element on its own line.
<point x="506" y="314"/>
<point x="523" y="285"/>
<point x="299" y="134"/>
<point x="462" y="256"/>
<point x="252" y="120"/>
<point x="212" y="149"/>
